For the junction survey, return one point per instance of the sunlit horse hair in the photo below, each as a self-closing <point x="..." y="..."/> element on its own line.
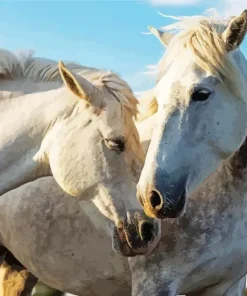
<point x="202" y="35"/>
<point x="25" y="66"/>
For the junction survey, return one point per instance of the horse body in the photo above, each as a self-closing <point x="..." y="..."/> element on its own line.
<point x="64" y="244"/>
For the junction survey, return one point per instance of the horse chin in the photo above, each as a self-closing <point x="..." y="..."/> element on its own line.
<point x="137" y="235"/>
<point x="67" y="188"/>
<point x="123" y="245"/>
<point x="124" y="249"/>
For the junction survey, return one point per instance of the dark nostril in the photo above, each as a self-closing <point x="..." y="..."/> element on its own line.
<point x="146" y="231"/>
<point x="120" y="144"/>
<point x="116" y="144"/>
<point x="156" y="200"/>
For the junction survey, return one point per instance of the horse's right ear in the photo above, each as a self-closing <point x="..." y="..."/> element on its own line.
<point x="164" y="37"/>
<point x="78" y="85"/>
<point x="235" y="32"/>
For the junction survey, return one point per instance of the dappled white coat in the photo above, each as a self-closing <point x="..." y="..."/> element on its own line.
<point x="198" y="152"/>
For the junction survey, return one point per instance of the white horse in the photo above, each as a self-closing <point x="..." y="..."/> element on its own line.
<point x="197" y="158"/>
<point x="83" y="136"/>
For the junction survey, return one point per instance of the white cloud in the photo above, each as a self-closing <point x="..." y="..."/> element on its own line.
<point x="138" y="93"/>
<point x="227" y="7"/>
<point x="173" y="2"/>
<point x="233" y="7"/>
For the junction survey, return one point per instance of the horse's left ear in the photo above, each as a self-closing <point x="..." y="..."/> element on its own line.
<point x="81" y="87"/>
<point x="164" y="37"/>
<point x="234" y="34"/>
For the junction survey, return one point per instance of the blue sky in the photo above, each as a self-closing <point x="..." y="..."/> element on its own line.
<point x="102" y="34"/>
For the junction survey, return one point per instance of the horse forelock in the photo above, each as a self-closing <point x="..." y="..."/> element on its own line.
<point x="124" y="95"/>
<point x="202" y="35"/>
<point x="25" y="65"/>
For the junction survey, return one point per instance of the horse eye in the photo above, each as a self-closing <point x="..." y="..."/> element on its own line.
<point x="200" y="95"/>
<point x="115" y="144"/>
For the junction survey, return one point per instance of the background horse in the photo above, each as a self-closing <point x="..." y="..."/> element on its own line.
<point x="85" y="138"/>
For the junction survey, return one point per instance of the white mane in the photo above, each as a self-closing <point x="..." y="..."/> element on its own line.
<point x="24" y="66"/>
<point x="191" y="22"/>
<point x="202" y="35"/>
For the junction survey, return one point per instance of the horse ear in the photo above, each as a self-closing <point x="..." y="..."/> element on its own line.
<point x="81" y="87"/>
<point x="234" y="34"/>
<point x="164" y="37"/>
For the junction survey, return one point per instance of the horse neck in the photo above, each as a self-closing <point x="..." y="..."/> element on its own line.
<point x="26" y="119"/>
<point x="222" y="196"/>
<point x="25" y="86"/>
<point x="238" y="163"/>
